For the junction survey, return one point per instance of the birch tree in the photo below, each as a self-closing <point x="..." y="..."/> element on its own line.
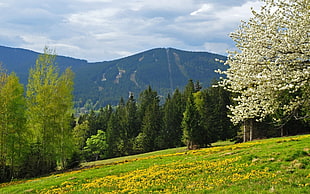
<point x="12" y="124"/>
<point x="269" y="73"/>
<point x="49" y="109"/>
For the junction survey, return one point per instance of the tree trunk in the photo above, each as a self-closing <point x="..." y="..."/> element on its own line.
<point x="251" y="123"/>
<point x="282" y="132"/>
<point x="244" y="131"/>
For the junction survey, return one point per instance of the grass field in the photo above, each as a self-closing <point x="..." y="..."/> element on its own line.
<point x="279" y="165"/>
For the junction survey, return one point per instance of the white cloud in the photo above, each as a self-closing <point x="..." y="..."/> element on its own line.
<point x="104" y="29"/>
<point x="203" y="9"/>
<point x="238" y="13"/>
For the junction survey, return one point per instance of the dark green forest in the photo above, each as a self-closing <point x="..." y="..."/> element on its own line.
<point x="97" y="84"/>
<point x="40" y="132"/>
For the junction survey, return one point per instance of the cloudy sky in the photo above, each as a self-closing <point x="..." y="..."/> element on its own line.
<point x="98" y="30"/>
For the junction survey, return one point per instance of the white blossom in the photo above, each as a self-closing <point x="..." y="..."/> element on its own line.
<point x="270" y="71"/>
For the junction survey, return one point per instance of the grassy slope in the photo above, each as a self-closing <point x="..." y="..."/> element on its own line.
<point x="280" y="165"/>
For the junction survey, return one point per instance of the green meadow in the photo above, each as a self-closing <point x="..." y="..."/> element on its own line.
<point x="278" y="165"/>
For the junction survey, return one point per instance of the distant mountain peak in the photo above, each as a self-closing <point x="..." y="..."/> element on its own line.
<point x="164" y="69"/>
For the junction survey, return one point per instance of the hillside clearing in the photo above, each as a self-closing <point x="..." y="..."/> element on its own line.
<point x="279" y="165"/>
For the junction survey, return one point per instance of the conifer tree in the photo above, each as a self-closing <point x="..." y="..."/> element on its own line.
<point x="191" y="124"/>
<point x="151" y="127"/>
<point x="123" y="127"/>
<point x="133" y="127"/>
<point x="103" y="117"/>
<point x="113" y="137"/>
<point x="189" y="90"/>
<point x="172" y="118"/>
<point x="93" y="123"/>
<point x="151" y="119"/>
<point x="218" y="101"/>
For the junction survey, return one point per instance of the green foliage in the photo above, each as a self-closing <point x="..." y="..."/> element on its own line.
<point x="80" y="133"/>
<point x="12" y="125"/>
<point x="151" y="119"/>
<point x="114" y="136"/>
<point x="49" y="109"/>
<point x="217" y="102"/>
<point x="173" y="109"/>
<point x="150" y="125"/>
<point x="191" y="125"/>
<point x="133" y="124"/>
<point x="96" y="145"/>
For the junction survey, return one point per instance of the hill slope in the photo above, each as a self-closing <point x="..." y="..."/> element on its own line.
<point x="165" y="69"/>
<point x="280" y="165"/>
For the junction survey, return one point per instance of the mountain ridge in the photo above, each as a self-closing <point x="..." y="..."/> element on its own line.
<point x="164" y="69"/>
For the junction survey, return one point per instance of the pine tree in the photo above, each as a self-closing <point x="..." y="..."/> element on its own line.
<point x="189" y="90"/>
<point x="103" y="117"/>
<point x="150" y="115"/>
<point x="172" y="118"/>
<point x="218" y="101"/>
<point x="122" y="118"/>
<point x="206" y="133"/>
<point x="113" y="137"/>
<point x="151" y="126"/>
<point x="93" y="123"/>
<point x="191" y="124"/>
<point x="133" y="127"/>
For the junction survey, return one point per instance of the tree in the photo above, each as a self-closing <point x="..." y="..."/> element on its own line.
<point x="217" y="100"/>
<point x="49" y="110"/>
<point x="80" y="133"/>
<point x="206" y="133"/>
<point x="113" y="136"/>
<point x="189" y="90"/>
<point x="132" y="123"/>
<point x="13" y="133"/>
<point x="93" y="123"/>
<point x="191" y="124"/>
<point x="151" y="120"/>
<point x="270" y="72"/>
<point x="63" y="117"/>
<point x="172" y="118"/>
<point x="96" y="145"/>
<point x="103" y="117"/>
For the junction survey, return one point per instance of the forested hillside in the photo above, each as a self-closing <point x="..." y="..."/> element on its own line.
<point x="101" y="83"/>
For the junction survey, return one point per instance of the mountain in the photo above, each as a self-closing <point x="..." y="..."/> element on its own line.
<point x="164" y="69"/>
<point x="20" y="60"/>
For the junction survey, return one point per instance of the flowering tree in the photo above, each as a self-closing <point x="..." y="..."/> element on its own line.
<point x="270" y="71"/>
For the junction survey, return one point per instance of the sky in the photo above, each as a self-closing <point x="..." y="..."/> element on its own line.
<point x="103" y="30"/>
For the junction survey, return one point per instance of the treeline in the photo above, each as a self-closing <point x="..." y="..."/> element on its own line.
<point x="195" y="117"/>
